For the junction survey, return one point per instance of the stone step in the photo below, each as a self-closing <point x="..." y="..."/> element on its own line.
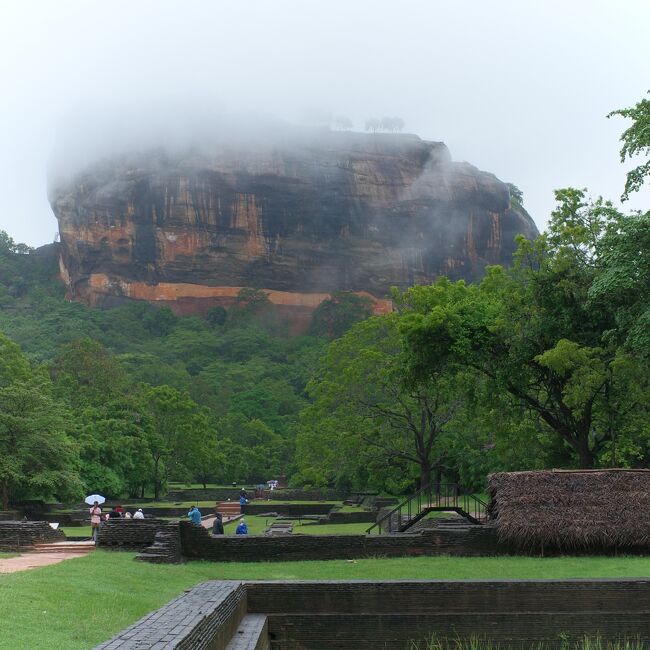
<point x="229" y="508"/>
<point x="79" y="546"/>
<point x="252" y="634"/>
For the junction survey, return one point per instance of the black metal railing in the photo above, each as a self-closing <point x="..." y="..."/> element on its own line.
<point x="441" y="497"/>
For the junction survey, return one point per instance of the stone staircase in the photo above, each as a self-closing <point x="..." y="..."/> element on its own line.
<point x="252" y="634"/>
<point x="63" y="547"/>
<point x="166" y="547"/>
<point x="229" y="508"/>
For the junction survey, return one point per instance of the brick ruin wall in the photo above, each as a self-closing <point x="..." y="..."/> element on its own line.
<point x="197" y="543"/>
<point x="130" y="534"/>
<point x="17" y="535"/>
<point x="365" y="615"/>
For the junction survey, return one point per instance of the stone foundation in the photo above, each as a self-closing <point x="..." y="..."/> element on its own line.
<point x="288" y="509"/>
<point x="19" y="535"/>
<point x="130" y="534"/>
<point x="198" y="544"/>
<point x="368" y="615"/>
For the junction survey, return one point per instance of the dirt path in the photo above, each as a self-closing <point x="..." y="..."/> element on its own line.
<point x="34" y="560"/>
<point x="45" y="557"/>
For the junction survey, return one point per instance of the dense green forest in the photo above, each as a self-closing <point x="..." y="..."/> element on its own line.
<point x="141" y="396"/>
<point x="543" y="364"/>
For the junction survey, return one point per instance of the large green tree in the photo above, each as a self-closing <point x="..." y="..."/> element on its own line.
<point x="535" y="332"/>
<point x="37" y="456"/>
<point x="636" y="142"/>
<point x="361" y="400"/>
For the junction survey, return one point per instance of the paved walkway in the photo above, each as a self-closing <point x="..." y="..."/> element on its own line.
<point x="208" y="521"/>
<point x="36" y="559"/>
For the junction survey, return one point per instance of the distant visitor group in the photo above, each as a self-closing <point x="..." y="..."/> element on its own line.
<point x="98" y="518"/>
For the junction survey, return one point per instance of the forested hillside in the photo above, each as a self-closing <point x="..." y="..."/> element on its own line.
<point x="541" y="364"/>
<point x="143" y="396"/>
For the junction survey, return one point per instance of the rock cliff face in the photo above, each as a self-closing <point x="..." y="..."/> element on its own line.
<point x="328" y="212"/>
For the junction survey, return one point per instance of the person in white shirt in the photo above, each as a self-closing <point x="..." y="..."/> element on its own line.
<point x="95" y="521"/>
<point x="139" y="514"/>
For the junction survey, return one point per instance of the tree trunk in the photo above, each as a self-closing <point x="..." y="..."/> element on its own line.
<point x="585" y="455"/>
<point x="156" y="480"/>
<point x="425" y="473"/>
<point x="5" y="495"/>
<point x="437" y="480"/>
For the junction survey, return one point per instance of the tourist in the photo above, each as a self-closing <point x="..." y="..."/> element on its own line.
<point x="119" y="512"/>
<point x="95" y="521"/>
<point x="217" y="526"/>
<point x="243" y="493"/>
<point x="242" y="528"/>
<point x="195" y="515"/>
<point x="243" y="501"/>
<point x="127" y="515"/>
<point x="139" y="514"/>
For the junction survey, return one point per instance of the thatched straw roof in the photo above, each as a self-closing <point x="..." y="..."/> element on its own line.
<point x="563" y="510"/>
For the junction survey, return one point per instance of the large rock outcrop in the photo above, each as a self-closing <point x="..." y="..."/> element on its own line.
<point x="299" y="219"/>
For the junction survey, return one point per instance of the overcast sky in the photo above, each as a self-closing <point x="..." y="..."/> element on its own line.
<point x="520" y="89"/>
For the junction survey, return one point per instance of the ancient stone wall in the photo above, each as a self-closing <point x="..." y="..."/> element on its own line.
<point x="16" y="535"/>
<point x="197" y="543"/>
<point x="360" y="517"/>
<point x="298" y="494"/>
<point x="289" y="509"/>
<point x="129" y="534"/>
<point x="366" y="614"/>
<point x="206" y="617"/>
<point x="208" y="494"/>
<point x="166" y="547"/>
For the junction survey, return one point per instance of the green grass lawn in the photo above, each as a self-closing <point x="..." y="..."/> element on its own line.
<point x="351" y="509"/>
<point x="199" y="486"/>
<point x="132" y="507"/>
<point x="330" y="529"/>
<point x="79" y="603"/>
<point x="205" y="506"/>
<point x="76" y="531"/>
<point x="257" y="525"/>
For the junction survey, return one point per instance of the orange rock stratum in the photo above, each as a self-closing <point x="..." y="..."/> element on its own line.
<point x="327" y="212"/>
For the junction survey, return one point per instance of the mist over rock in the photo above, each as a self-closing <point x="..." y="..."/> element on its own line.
<point x="299" y="217"/>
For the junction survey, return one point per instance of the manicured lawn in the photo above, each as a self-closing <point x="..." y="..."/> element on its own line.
<point x="330" y="529"/>
<point x="199" y="486"/>
<point x="289" y="501"/>
<point x="79" y="603"/>
<point x="256" y="524"/>
<point x="76" y="531"/>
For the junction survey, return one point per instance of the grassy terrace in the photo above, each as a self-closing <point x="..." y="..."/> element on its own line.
<point x="257" y="525"/>
<point x="79" y="603"/>
<point x="208" y="506"/>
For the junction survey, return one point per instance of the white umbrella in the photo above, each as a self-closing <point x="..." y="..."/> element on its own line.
<point x="90" y="500"/>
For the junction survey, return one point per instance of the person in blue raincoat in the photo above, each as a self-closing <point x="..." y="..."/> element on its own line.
<point x="195" y="516"/>
<point x="242" y="528"/>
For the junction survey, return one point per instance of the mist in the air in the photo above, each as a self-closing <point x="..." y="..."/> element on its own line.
<point x="517" y="89"/>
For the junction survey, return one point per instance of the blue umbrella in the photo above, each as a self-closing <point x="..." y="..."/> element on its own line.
<point x="90" y="500"/>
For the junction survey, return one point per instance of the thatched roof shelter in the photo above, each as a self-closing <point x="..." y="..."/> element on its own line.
<point x="565" y="510"/>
